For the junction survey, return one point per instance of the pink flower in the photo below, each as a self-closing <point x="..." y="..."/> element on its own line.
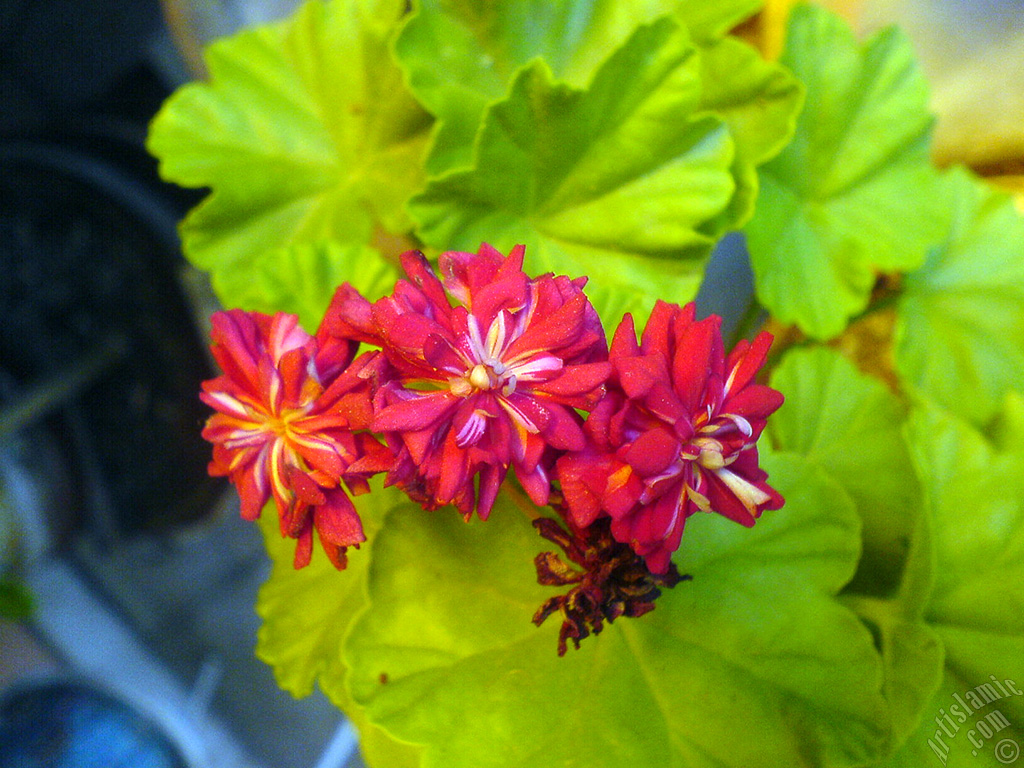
<point x="289" y="408"/>
<point x="676" y="433"/>
<point x="470" y="389"/>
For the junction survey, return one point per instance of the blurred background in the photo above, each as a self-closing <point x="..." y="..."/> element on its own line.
<point x="126" y="575"/>
<point x="972" y="54"/>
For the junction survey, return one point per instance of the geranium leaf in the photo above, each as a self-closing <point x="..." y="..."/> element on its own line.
<point x="960" y="330"/>
<point x="709" y="20"/>
<point x="461" y="54"/>
<point x="306" y="611"/>
<point x="854" y="192"/>
<point x="977" y="608"/>
<point x="911" y="649"/>
<point x="1007" y="429"/>
<point x="760" y="101"/>
<point x="306" y="614"/>
<point x="850" y="425"/>
<point x="305" y="132"/>
<point x="931" y="743"/>
<point x="301" y="279"/>
<point x="621" y="181"/>
<point x="377" y="749"/>
<point x="446" y="655"/>
<point x="975" y="494"/>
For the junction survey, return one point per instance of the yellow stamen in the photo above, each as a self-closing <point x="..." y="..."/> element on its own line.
<point x="710" y="453"/>
<point x="479" y="377"/>
<point x="460" y="387"/>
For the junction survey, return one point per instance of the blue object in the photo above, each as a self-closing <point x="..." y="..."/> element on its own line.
<point x="68" y="725"/>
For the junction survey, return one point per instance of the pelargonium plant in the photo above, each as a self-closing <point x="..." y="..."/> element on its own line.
<point x="483" y="371"/>
<point x="508" y="529"/>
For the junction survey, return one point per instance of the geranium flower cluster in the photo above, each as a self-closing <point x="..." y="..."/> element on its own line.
<point x="477" y="369"/>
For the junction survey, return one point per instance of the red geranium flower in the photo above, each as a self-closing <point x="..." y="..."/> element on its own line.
<point x="289" y="410"/>
<point x="487" y="383"/>
<point x="676" y="433"/>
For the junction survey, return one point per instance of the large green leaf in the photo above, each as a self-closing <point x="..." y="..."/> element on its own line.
<point x="752" y="663"/>
<point x="912" y="651"/>
<point x="960" y="332"/>
<point x="977" y="516"/>
<point x="976" y="495"/>
<point x="1007" y="429"/>
<point x="710" y="19"/>
<point x="851" y="426"/>
<point x="854" y="192"/>
<point x="305" y="132"/>
<point x="306" y="611"/>
<point x="621" y="181"/>
<point x="306" y="614"/>
<point x="301" y="279"/>
<point x="377" y="748"/>
<point x="462" y="54"/>
<point x="760" y="100"/>
<point x="931" y="743"/>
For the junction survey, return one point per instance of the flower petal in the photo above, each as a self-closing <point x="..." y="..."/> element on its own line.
<point x="583" y="477"/>
<point x="562" y="430"/>
<point x="652" y="452"/>
<point x="698" y="355"/>
<point x="553" y="331"/>
<point x="337" y="521"/>
<point x="746" y="360"/>
<point x="416" y="412"/>
<point x="348" y="317"/>
<point x="577" y="380"/>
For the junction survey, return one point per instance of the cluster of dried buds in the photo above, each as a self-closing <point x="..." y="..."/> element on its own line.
<point x="482" y="370"/>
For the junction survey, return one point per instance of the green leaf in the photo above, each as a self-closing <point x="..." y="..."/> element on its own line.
<point x="977" y="517"/>
<point x="305" y="132"/>
<point x="446" y="654"/>
<point x="854" y="192"/>
<point x="931" y="745"/>
<point x="301" y="279"/>
<point x="911" y="650"/>
<point x="850" y="425"/>
<point x="306" y="611"/>
<point x="462" y="54"/>
<point x="976" y="495"/>
<point x="306" y="614"/>
<point x="621" y="181"/>
<point x="710" y="19"/>
<point x="1007" y="430"/>
<point x="960" y="329"/>
<point x="759" y="101"/>
<point x="377" y="748"/>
